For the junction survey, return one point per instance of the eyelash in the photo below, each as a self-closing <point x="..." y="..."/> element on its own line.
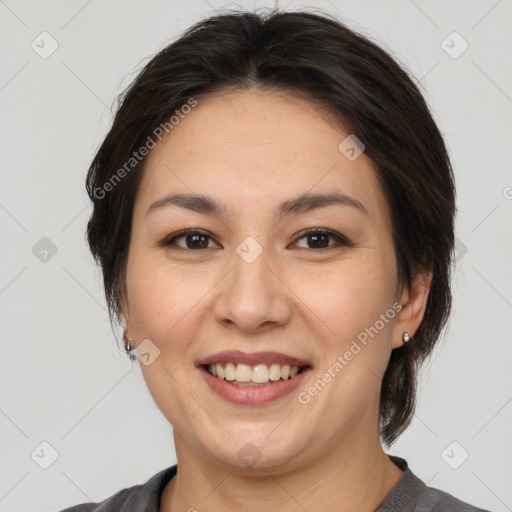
<point x="340" y="239"/>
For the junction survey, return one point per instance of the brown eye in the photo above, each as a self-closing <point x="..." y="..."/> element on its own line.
<point x="317" y="238"/>
<point x="193" y="240"/>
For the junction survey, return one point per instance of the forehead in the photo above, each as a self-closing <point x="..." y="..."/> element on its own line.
<point x="257" y="149"/>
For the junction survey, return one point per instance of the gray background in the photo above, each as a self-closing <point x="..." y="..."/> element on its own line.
<point x="63" y="379"/>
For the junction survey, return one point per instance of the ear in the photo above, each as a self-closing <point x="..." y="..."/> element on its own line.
<point x="414" y="303"/>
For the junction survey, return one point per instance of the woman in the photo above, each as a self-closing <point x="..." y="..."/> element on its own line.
<point x="274" y="219"/>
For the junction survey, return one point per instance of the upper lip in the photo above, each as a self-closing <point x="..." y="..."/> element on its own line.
<point x="236" y="356"/>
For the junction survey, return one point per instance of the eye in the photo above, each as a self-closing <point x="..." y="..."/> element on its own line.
<point x="194" y="239"/>
<point x="319" y="238"/>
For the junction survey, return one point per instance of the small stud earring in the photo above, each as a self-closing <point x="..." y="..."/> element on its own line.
<point x="407" y="338"/>
<point x="127" y="340"/>
<point x="127" y="347"/>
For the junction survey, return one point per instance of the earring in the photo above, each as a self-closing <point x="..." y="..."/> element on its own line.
<point x="127" y="347"/>
<point x="407" y="338"/>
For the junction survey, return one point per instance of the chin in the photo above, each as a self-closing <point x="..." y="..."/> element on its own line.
<point x="251" y="448"/>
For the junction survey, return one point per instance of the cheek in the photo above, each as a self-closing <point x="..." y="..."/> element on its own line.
<point x="164" y="305"/>
<point x="161" y="297"/>
<point x="353" y="338"/>
<point x="348" y="297"/>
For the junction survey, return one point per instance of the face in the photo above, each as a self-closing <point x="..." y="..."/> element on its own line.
<point x="248" y="286"/>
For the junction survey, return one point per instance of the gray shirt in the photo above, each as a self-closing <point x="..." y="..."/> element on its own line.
<point x="410" y="494"/>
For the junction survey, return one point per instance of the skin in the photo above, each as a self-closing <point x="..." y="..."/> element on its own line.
<point x="252" y="150"/>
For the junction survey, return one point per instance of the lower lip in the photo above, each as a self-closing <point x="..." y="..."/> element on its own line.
<point x="248" y="395"/>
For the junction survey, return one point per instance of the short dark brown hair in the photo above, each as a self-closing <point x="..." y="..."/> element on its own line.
<point x="358" y="82"/>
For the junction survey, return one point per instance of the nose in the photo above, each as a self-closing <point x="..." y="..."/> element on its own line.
<point x="253" y="297"/>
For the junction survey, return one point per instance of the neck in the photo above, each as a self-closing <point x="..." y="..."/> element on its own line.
<point x="346" y="478"/>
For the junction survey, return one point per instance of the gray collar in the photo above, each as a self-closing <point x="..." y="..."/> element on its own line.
<point x="400" y="499"/>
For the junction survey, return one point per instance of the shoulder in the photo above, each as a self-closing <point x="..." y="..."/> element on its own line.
<point x="411" y="494"/>
<point x="435" y="500"/>
<point x="137" y="498"/>
<point x="112" y="503"/>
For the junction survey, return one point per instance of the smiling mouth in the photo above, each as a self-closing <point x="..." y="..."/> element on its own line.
<point x="259" y="375"/>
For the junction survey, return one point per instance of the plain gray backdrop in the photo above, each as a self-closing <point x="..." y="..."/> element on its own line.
<point x="70" y="399"/>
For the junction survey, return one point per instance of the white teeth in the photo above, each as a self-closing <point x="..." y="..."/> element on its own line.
<point x="243" y="372"/>
<point x="229" y="371"/>
<point x="275" y="372"/>
<point x="258" y="374"/>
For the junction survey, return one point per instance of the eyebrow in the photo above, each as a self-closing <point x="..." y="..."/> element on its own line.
<point x="301" y="204"/>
